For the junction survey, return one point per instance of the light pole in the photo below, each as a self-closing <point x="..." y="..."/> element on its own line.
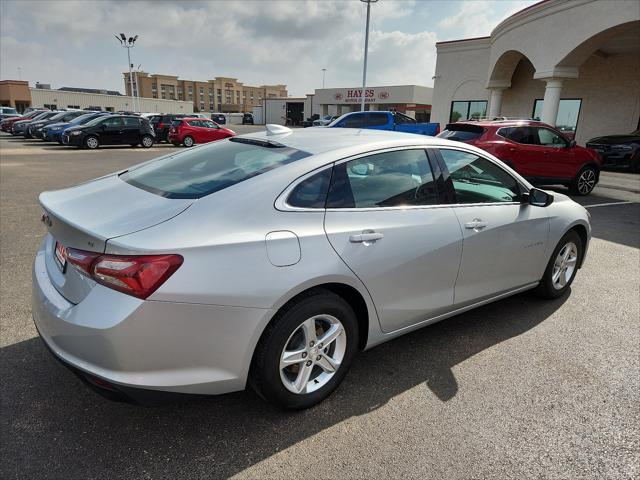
<point x="366" y="48"/>
<point x="324" y="71"/>
<point x="128" y="44"/>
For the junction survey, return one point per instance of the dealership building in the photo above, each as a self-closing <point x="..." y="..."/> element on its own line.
<point x="571" y="63"/>
<point x="412" y="100"/>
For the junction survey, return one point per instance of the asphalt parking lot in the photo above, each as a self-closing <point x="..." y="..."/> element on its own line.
<point x="521" y="388"/>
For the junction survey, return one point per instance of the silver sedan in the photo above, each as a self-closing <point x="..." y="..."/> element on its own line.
<point x="272" y="258"/>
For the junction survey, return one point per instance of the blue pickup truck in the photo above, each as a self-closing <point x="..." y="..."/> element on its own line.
<point x="381" y="120"/>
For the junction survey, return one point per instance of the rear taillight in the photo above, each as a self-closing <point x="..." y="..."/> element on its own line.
<point x="437" y="130"/>
<point x="138" y="276"/>
<point x="160" y="125"/>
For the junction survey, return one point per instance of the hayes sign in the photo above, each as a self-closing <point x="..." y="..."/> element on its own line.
<point x="354" y="95"/>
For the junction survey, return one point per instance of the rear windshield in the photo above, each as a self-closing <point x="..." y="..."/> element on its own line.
<point x="462" y="132"/>
<point x="210" y="168"/>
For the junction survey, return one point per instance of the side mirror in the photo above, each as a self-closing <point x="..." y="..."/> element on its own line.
<point x="103" y="126"/>
<point x="538" y="198"/>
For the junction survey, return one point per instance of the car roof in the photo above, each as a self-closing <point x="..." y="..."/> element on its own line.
<point x="502" y="123"/>
<point x="316" y="140"/>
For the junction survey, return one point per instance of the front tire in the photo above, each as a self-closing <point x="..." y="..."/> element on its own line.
<point x="562" y="267"/>
<point x="188" y="142"/>
<point x="306" y="351"/>
<point x="91" y="142"/>
<point x="585" y="181"/>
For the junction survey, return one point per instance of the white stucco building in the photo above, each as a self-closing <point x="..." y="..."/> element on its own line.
<point x="572" y="63"/>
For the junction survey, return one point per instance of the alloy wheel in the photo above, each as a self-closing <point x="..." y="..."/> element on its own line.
<point x="188" y="142"/>
<point x="92" y="142"/>
<point x="564" y="265"/>
<point x="586" y="181"/>
<point x="313" y="354"/>
<point x="147" y="142"/>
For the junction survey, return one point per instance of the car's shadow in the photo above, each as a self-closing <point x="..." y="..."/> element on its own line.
<point x="54" y="426"/>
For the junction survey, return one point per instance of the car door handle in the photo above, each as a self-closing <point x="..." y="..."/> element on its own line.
<point x="475" y="224"/>
<point x="366" y="236"/>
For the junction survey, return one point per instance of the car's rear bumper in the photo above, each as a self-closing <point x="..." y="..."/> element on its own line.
<point x="118" y="342"/>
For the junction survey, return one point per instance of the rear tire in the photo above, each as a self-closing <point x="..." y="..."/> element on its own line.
<point x="91" y="142"/>
<point x="562" y="267"/>
<point x="585" y="181"/>
<point x="319" y="367"/>
<point x="188" y="142"/>
<point x="146" y="141"/>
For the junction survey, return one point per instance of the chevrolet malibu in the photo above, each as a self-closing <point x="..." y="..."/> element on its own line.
<point x="272" y="258"/>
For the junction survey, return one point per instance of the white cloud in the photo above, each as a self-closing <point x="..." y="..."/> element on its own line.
<point x="477" y="18"/>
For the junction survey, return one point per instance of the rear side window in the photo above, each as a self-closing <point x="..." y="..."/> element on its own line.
<point x="461" y="133"/>
<point x="132" y="122"/>
<point x="176" y="123"/>
<point x="311" y="192"/>
<point x="194" y="123"/>
<point x="524" y="135"/>
<point x="387" y="179"/>
<point x="211" y="168"/>
<point x="376" y="119"/>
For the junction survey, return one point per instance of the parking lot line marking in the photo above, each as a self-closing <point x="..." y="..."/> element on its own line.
<point x="608" y="204"/>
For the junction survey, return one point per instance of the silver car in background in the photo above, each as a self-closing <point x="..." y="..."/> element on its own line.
<point x="273" y="258"/>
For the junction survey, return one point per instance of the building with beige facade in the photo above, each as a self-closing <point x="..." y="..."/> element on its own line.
<point x="574" y="64"/>
<point x="222" y="94"/>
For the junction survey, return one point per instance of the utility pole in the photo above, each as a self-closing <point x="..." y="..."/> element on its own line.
<point x="324" y="71"/>
<point x="366" y="48"/>
<point x="128" y="44"/>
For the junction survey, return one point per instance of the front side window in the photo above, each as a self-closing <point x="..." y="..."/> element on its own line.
<point x="211" y="168"/>
<point x="391" y="179"/>
<point x="478" y="180"/>
<point x="549" y="138"/>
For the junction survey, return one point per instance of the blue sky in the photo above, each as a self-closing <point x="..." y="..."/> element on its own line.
<point x="71" y="43"/>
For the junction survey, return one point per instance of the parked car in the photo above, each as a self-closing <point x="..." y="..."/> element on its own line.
<point x="380" y="120"/>
<point x="618" y="150"/>
<point x="7" y="123"/>
<point x="189" y="130"/>
<point x="247" y="119"/>
<point x="8" y="112"/>
<point x="219" y="118"/>
<point x="535" y="150"/>
<point x="324" y="121"/>
<point x="198" y="115"/>
<point x="162" y="123"/>
<point x="22" y="127"/>
<point x="36" y="128"/>
<point x="54" y="131"/>
<point x="111" y="130"/>
<point x="272" y="258"/>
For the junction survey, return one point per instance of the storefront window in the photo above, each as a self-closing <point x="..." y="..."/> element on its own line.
<point x="465" y="110"/>
<point x="568" y="112"/>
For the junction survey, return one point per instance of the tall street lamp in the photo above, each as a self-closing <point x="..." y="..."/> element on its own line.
<point x="128" y="44"/>
<point x="366" y="48"/>
<point x="324" y="71"/>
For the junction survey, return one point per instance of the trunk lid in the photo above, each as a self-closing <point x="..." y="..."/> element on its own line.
<point x="86" y="216"/>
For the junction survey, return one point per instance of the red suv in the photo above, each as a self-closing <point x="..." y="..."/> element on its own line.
<point x="535" y="150"/>
<point x="189" y="131"/>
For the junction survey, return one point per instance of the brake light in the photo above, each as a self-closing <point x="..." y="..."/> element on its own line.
<point x="160" y="125"/>
<point x="437" y="130"/>
<point x="138" y="276"/>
